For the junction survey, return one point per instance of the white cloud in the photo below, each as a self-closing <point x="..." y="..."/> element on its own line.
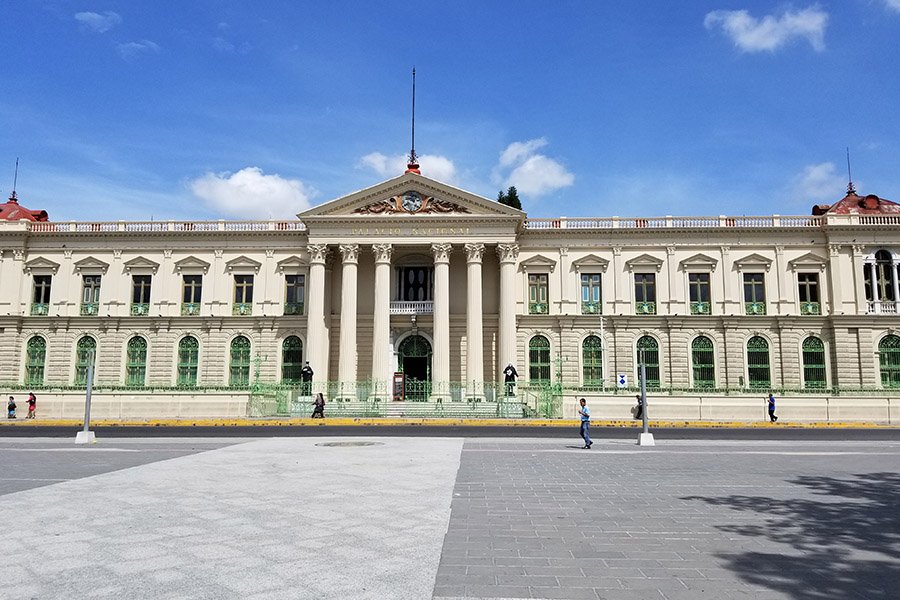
<point x="135" y="49"/>
<point x="894" y="4"/>
<point x="91" y="21"/>
<point x="821" y="183"/>
<point x="431" y="165"/>
<point x="770" y="33"/>
<point x="533" y="174"/>
<point x="251" y="194"/>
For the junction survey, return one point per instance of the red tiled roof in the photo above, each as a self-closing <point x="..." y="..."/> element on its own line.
<point x="12" y="211"/>
<point x="854" y="204"/>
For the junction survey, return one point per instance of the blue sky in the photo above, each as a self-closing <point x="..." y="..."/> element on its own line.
<point x="165" y="109"/>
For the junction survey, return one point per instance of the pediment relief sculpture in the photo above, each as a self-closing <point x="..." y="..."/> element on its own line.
<point x="411" y="202"/>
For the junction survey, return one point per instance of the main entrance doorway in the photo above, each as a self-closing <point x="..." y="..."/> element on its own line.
<point x="415" y="362"/>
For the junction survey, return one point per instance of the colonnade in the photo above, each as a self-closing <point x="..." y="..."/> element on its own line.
<point x="381" y="351"/>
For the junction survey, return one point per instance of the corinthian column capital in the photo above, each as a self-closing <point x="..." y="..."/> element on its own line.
<point x="441" y="252"/>
<point x="318" y="253"/>
<point x="508" y="253"/>
<point x="349" y="252"/>
<point x="474" y="252"/>
<point x="383" y="252"/>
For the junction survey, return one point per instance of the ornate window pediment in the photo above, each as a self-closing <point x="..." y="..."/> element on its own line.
<point x="291" y="264"/>
<point x="591" y="262"/>
<point x="243" y="265"/>
<point x="753" y="261"/>
<point x="644" y="262"/>
<point x="91" y="266"/>
<point x="699" y="262"/>
<point x="141" y="266"/>
<point x="191" y="265"/>
<point x="41" y="266"/>
<point x="809" y="261"/>
<point x="538" y="262"/>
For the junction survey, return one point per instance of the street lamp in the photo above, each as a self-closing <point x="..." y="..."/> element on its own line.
<point x="645" y="438"/>
<point x="86" y="436"/>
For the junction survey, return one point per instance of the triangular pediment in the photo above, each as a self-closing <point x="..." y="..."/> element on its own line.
<point x="141" y="264"/>
<point x="699" y="261"/>
<point x="242" y="264"/>
<point x="809" y="260"/>
<point x="411" y="195"/>
<point x="644" y="261"/>
<point x="41" y="266"/>
<point x="191" y="265"/>
<point x="591" y="261"/>
<point x="291" y="264"/>
<point x="91" y="265"/>
<point x="754" y="260"/>
<point x="538" y="262"/>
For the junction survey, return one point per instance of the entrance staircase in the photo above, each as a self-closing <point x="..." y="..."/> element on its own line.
<point x="417" y="410"/>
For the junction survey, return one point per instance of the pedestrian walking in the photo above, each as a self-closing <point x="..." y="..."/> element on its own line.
<point x="306" y="375"/>
<point x="585" y="414"/>
<point x="319" y="407"/>
<point x="509" y="378"/>
<point x="11" y="408"/>
<point x="639" y="409"/>
<point x="32" y="403"/>
<point x="772" y="417"/>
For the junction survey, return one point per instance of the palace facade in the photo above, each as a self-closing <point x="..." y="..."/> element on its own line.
<point x="445" y="287"/>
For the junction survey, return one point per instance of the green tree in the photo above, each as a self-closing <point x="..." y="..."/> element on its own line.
<point x="510" y="198"/>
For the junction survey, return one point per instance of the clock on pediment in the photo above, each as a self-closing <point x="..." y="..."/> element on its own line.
<point x="412" y="202"/>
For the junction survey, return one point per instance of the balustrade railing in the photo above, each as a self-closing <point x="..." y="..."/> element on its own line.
<point x="40" y="309"/>
<point x="700" y="308"/>
<point x="755" y="308"/>
<point x="140" y="309"/>
<point x="810" y="308"/>
<point x="408" y="307"/>
<point x="590" y="308"/>
<point x="293" y="308"/>
<point x="242" y="309"/>
<point x="190" y="309"/>
<point x="645" y="308"/>
<point x="162" y="226"/>
<point x="538" y="308"/>
<point x="884" y="307"/>
<point x="90" y="309"/>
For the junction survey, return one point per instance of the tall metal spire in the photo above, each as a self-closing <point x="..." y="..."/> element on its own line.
<point x="12" y="196"/>
<point x="413" y="165"/>
<point x="850" y="188"/>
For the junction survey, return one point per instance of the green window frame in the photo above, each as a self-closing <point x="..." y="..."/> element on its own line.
<point x="291" y="359"/>
<point x="703" y="362"/>
<point x="239" y="363"/>
<point x="814" y="373"/>
<point x="40" y="299"/>
<point x="35" y="358"/>
<point x="592" y="362"/>
<point x="648" y="350"/>
<point x="136" y="362"/>
<point x="188" y="361"/>
<point x="90" y="295"/>
<point x="191" y="294"/>
<point x="889" y="361"/>
<point x="294" y="292"/>
<point x="85" y="352"/>
<point x="699" y="289"/>
<point x="591" y="295"/>
<point x="754" y="294"/>
<point x="759" y="370"/>
<point x="243" y="295"/>
<point x="539" y="360"/>
<point x="538" y="294"/>
<point x="645" y="293"/>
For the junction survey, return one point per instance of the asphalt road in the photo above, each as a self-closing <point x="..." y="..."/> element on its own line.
<point x="775" y="432"/>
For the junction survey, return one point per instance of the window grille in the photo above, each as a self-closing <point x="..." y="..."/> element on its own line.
<point x="291" y="359"/>
<point x="85" y="353"/>
<point x="592" y="361"/>
<point x="758" y="369"/>
<point x="188" y="359"/>
<point x="648" y="351"/>
<point x="539" y="360"/>
<point x="36" y="354"/>
<point x="813" y="363"/>
<point x="703" y="361"/>
<point x="136" y="362"/>
<point x="889" y="361"/>
<point x="239" y="367"/>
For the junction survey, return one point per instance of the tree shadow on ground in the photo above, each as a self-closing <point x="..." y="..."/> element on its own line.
<point x="845" y="545"/>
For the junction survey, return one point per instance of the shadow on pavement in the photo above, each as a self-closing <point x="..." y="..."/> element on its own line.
<point x="848" y="542"/>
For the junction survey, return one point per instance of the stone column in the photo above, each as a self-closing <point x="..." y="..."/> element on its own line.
<point x="506" y="351"/>
<point x="347" y="356"/>
<point x="317" y="347"/>
<point x="381" y="377"/>
<point x="440" y="368"/>
<point x="474" y="324"/>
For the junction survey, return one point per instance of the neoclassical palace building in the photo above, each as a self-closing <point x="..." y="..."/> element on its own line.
<point x="414" y="290"/>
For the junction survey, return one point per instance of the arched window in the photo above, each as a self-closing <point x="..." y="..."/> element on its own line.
<point x="889" y="361"/>
<point x="880" y="277"/>
<point x="703" y="361"/>
<point x="35" y="355"/>
<point x="136" y="362"/>
<point x="758" y="370"/>
<point x="592" y="361"/>
<point x="291" y="359"/>
<point x="539" y="360"/>
<point x="648" y="352"/>
<point x="239" y="369"/>
<point x="813" y="363"/>
<point x="85" y="355"/>
<point x="188" y="359"/>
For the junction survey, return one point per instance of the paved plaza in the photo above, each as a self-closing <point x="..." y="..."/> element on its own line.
<point x="419" y="518"/>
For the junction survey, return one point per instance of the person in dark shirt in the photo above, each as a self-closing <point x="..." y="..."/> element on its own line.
<point x="772" y="417"/>
<point x="306" y="375"/>
<point x="509" y="378"/>
<point x="11" y="408"/>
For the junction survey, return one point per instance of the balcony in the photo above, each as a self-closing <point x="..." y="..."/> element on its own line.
<point x="90" y="309"/>
<point x="590" y="308"/>
<point x="405" y="307"/>
<point x="538" y="308"/>
<point x="700" y="308"/>
<point x="190" y="309"/>
<point x="40" y="309"/>
<point x="293" y="308"/>
<point x="886" y="307"/>
<point x="755" y="308"/>
<point x="242" y="309"/>
<point x="645" y="308"/>
<point x="140" y="309"/>
<point x="810" y="308"/>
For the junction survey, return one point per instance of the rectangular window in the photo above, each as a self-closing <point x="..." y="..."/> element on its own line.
<point x="754" y="294"/>
<point x="538" y="294"/>
<point x="191" y="294"/>
<point x="40" y="300"/>
<point x="243" y="295"/>
<point x="140" y="295"/>
<point x="590" y="294"/>
<point x="698" y="285"/>
<point x="808" y="284"/>
<point x="415" y="284"/>
<point x="90" y="295"/>
<point x="645" y="293"/>
<point x="294" y="294"/>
